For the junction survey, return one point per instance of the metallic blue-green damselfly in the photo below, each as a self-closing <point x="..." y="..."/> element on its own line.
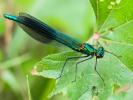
<point x="44" y="33"/>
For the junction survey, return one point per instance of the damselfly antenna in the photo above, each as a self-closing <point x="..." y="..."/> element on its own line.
<point x="112" y="54"/>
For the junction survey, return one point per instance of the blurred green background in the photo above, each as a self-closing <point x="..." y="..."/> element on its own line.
<point x="19" y="52"/>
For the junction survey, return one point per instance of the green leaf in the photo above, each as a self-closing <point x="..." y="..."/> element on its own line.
<point x="120" y="14"/>
<point x="109" y="67"/>
<point x="121" y="34"/>
<point x="101" y="10"/>
<point x="118" y="31"/>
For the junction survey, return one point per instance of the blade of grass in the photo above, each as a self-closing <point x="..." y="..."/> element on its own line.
<point x="28" y="88"/>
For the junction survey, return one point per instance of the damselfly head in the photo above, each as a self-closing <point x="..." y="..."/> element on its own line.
<point x="100" y="52"/>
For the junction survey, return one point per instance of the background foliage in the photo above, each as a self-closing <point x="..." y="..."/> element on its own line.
<point x="20" y="55"/>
